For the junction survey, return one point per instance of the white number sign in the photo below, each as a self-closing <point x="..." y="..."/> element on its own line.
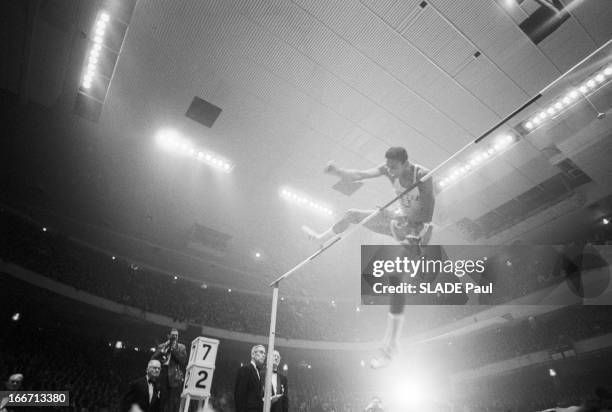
<point x="197" y="381"/>
<point x="203" y="352"/>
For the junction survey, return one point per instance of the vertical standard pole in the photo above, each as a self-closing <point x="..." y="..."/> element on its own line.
<point x="270" y="353"/>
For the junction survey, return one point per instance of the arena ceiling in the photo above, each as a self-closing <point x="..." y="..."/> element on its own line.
<point x="301" y="83"/>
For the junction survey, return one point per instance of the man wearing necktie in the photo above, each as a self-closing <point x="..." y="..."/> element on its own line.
<point x="143" y="393"/>
<point x="280" y="391"/>
<point x="249" y="388"/>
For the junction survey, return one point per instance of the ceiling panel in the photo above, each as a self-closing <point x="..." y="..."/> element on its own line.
<point x="440" y="41"/>
<point x="594" y="16"/>
<point x="501" y="40"/>
<point x="403" y="62"/>
<point x="491" y="86"/>
<point x="402" y="13"/>
<point x="569" y="44"/>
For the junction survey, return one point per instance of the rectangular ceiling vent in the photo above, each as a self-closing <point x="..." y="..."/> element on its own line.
<point x="203" y="112"/>
<point x="347" y="188"/>
<point x="206" y="239"/>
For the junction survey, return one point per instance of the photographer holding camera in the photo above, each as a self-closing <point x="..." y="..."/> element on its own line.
<point x="173" y="358"/>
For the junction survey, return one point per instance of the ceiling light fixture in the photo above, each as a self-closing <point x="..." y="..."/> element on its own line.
<point x="563" y="102"/>
<point x="305" y="201"/>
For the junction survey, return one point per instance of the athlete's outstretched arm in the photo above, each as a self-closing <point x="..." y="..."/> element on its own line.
<point x="354" y="174"/>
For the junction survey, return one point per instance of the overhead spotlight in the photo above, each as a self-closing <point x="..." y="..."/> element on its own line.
<point x="608" y="71"/>
<point x="558" y="105"/>
<point x="542" y="115"/>
<point x="605" y="221"/>
<point x="551" y="111"/>
<point x="442" y="183"/>
<point x="573" y="94"/>
<point x="104" y="17"/>
<point x="600" y="78"/>
<point x="591" y="83"/>
<point x="529" y="125"/>
<point x="583" y="89"/>
<point x="97" y="39"/>
<point x="536" y="120"/>
<point x="567" y="100"/>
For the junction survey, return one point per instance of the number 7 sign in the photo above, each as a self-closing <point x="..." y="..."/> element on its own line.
<point x="203" y="352"/>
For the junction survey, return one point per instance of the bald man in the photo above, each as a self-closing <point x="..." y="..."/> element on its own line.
<point x="143" y="393"/>
<point x="280" y="388"/>
<point x="12" y="384"/>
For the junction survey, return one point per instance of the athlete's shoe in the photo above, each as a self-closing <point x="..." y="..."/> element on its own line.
<point x="384" y="357"/>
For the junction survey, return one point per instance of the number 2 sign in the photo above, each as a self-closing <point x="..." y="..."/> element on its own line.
<point x="197" y="381"/>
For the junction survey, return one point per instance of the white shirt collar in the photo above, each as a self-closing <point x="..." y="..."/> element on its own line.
<point x="255" y="366"/>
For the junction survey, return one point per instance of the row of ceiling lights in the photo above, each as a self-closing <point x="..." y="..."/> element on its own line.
<point x="170" y="140"/>
<point x="569" y="98"/>
<point x="304" y="201"/>
<point x="94" y="54"/>
<point x="502" y="143"/>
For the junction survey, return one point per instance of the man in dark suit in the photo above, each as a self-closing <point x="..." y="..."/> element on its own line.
<point x="280" y="390"/>
<point x="144" y="391"/>
<point x="12" y="384"/>
<point x="249" y="388"/>
<point x="173" y="358"/>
